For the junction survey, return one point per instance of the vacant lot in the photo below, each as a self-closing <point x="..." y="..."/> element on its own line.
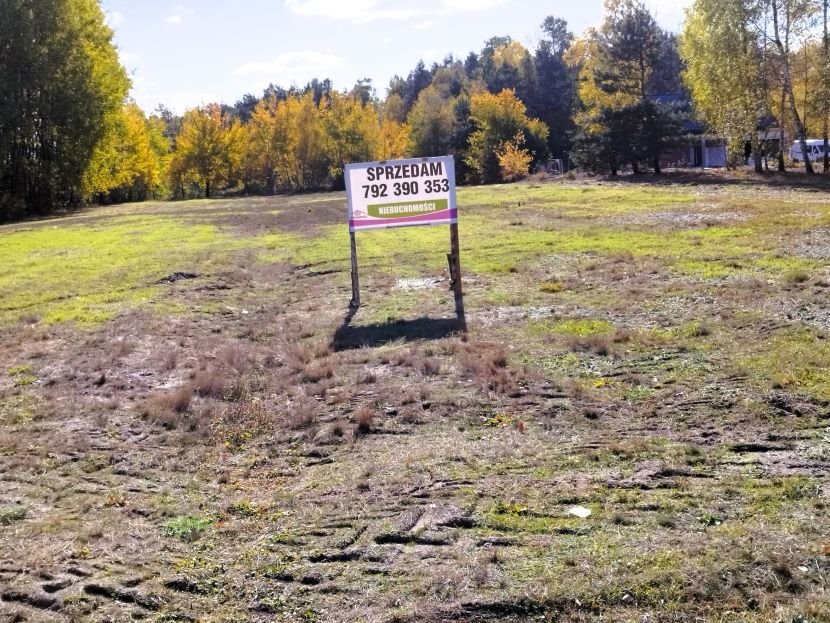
<point x="191" y="429"/>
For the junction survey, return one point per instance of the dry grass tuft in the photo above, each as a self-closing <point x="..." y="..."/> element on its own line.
<point x="320" y="350"/>
<point x="412" y="395"/>
<point x="598" y="344"/>
<point x="429" y="366"/>
<point x="173" y="410"/>
<point x="169" y="359"/>
<point x="301" y="414"/>
<point x="487" y="364"/>
<point x="298" y="355"/>
<point x="209" y="383"/>
<point x="797" y="277"/>
<point x="237" y="357"/>
<point x="295" y="355"/>
<point x="317" y="371"/>
<point x="239" y="423"/>
<point x="367" y="377"/>
<point x="176" y="400"/>
<point x="364" y="418"/>
<point x="121" y="348"/>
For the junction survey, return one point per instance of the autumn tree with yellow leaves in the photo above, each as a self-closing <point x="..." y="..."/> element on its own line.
<point x="130" y="163"/>
<point x="208" y="149"/>
<point x="503" y="135"/>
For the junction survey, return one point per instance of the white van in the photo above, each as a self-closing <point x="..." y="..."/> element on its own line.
<point x="815" y="148"/>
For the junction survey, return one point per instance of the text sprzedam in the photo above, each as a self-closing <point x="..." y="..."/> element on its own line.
<point x="405" y="171"/>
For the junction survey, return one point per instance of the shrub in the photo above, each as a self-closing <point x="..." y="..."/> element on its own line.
<point x="514" y="160"/>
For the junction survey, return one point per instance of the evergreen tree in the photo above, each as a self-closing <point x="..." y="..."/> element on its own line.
<point x="554" y="96"/>
<point x="619" y="124"/>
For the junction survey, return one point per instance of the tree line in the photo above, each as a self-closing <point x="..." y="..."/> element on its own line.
<point x="68" y="133"/>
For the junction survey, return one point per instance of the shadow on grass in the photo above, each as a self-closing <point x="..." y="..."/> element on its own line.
<point x="348" y="337"/>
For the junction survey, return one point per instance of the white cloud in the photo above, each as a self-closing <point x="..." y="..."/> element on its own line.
<point x="178" y="14"/>
<point x="469" y="5"/>
<point x="128" y="57"/>
<point x="184" y="100"/>
<point x="293" y="65"/>
<point x="364" y="11"/>
<point x="114" y="19"/>
<point x="425" y="25"/>
<point x="334" y="9"/>
<point x="432" y="55"/>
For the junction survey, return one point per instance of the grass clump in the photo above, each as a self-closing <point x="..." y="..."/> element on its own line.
<point x="364" y="418"/>
<point x="576" y="327"/>
<point x="20" y="370"/>
<point x="794" y="359"/>
<point x="186" y="528"/>
<point x="695" y="329"/>
<point x="12" y="514"/>
<point x="552" y="287"/>
<point x="244" y="508"/>
<point x="22" y="376"/>
<point x="487" y="364"/>
<point x="797" y="277"/>
<point x="241" y="422"/>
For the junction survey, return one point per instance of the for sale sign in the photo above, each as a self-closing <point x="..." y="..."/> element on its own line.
<point x="401" y="193"/>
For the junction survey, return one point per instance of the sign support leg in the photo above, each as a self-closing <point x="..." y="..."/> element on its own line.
<point x="455" y="274"/>
<point x="355" y="302"/>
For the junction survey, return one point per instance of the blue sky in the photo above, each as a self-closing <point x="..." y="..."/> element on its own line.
<point x="184" y="55"/>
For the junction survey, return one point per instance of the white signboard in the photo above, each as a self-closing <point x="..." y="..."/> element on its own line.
<point x="401" y="193"/>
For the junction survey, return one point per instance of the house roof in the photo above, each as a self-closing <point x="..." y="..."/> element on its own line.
<point x="682" y="104"/>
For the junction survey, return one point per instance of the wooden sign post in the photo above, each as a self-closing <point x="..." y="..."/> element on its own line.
<point x="404" y="193"/>
<point x="454" y="260"/>
<point x="355" y="302"/>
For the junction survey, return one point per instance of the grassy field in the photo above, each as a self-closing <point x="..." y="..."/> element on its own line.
<point x="191" y="429"/>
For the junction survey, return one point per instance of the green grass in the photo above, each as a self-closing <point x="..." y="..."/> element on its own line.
<point x="582" y="327"/>
<point x="90" y="274"/>
<point x="797" y="358"/>
<point x="187" y="528"/>
<point x="12" y="514"/>
<point x="575" y="200"/>
<point x="94" y="268"/>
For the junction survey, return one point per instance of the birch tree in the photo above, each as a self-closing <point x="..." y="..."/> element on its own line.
<point x="725" y="71"/>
